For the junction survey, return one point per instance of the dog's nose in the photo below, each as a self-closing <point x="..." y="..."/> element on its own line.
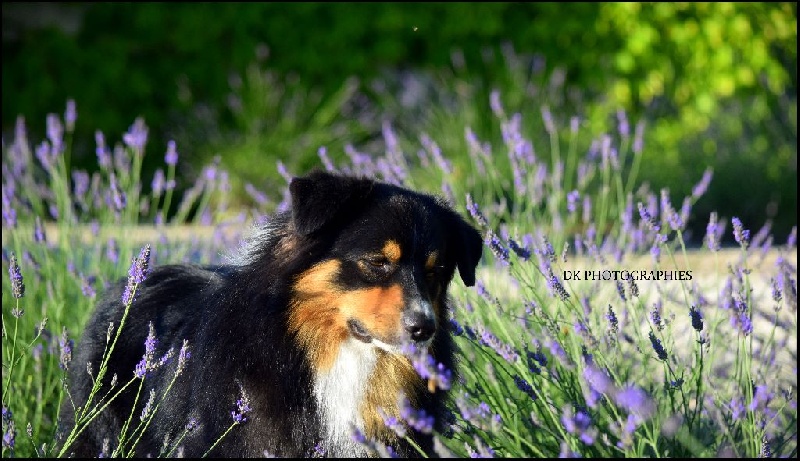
<point x="419" y="326"/>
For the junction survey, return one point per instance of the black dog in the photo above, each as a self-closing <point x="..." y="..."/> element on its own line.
<point x="306" y="333"/>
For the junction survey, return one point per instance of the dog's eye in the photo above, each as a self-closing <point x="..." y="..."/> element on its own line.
<point x="379" y="266"/>
<point x="434" y="272"/>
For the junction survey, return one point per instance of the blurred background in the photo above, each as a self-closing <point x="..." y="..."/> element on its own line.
<point x="251" y="85"/>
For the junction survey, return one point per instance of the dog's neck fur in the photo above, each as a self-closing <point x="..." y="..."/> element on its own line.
<point x="340" y="395"/>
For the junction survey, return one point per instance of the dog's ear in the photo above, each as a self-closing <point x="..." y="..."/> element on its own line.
<point x="468" y="252"/>
<point x="318" y="198"/>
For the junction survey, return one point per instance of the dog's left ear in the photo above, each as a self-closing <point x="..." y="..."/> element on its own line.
<point x="468" y="252"/>
<point x="320" y="198"/>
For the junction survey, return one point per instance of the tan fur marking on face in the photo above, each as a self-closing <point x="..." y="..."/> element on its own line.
<point x="392" y="251"/>
<point x="430" y="263"/>
<point x="393" y="374"/>
<point x="315" y="316"/>
<point x="377" y="308"/>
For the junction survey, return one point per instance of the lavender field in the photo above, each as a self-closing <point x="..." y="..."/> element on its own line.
<point x="592" y="331"/>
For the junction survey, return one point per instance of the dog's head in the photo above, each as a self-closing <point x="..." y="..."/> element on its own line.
<point x="386" y="256"/>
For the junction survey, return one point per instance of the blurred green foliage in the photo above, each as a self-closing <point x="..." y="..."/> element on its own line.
<point x="716" y="82"/>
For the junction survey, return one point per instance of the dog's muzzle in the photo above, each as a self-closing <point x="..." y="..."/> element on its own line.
<point x="418" y="323"/>
<point x="420" y="326"/>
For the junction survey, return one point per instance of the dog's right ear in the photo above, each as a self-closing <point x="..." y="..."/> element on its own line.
<point x="320" y="198"/>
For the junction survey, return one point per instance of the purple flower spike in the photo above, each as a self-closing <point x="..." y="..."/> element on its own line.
<point x="17" y="285"/>
<point x="136" y="274"/>
<point x="635" y="401"/>
<point x="242" y="409"/>
<point x="658" y="347"/>
<point x="136" y="137"/>
<point x="741" y="234"/>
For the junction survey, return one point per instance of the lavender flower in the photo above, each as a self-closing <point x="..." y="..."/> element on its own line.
<point x="9" y="213"/>
<point x="556" y="288"/>
<point x="427" y="367"/>
<point x="496" y="105"/>
<point x="621" y="291"/>
<point x="712" y="238"/>
<point x="580" y="424"/>
<point x="148" y="362"/>
<point x="191" y="425"/>
<point x="598" y="380"/>
<point x="393" y="423"/>
<point x="255" y="194"/>
<point x="587" y="209"/>
<point x="456" y="328"/>
<point x="55" y="133"/>
<point x="436" y="152"/>
<point x="635" y="401"/>
<point x="39" y="235"/>
<point x="14" y="272"/>
<point x="118" y="198"/>
<point x="572" y="201"/>
<point x="171" y="156"/>
<point x="112" y="250"/>
<point x="655" y="316"/>
<point x="136" y="274"/>
<point x="136" y="136"/>
<point x="148" y="406"/>
<point x="159" y="180"/>
<point x="87" y="287"/>
<point x="740" y="318"/>
<point x="613" y="324"/>
<point x="638" y="138"/>
<point x="737" y="408"/>
<point x="557" y="351"/>
<point x="622" y="124"/>
<point x="547" y="118"/>
<point x="70" y="115"/>
<point x="65" y="349"/>
<point x="9" y="436"/>
<point x="183" y="356"/>
<point x="103" y="156"/>
<point x="522" y="252"/>
<point x="648" y="218"/>
<point x="658" y="347"/>
<point x="242" y="408"/>
<point x="741" y="234"/>
<point x="417" y="419"/>
<point x="322" y="152"/>
<point x="480" y="416"/>
<point x="494" y="244"/>
<point x="524" y="386"/>
<point x="765" y="451"/>
<point x="701" y="187"/>
<point x="697" y="319"/>
<point x="761" y="398"/>
<point x="475" y="212"/>
<point x="633" y="288"/>
<point x="506" y="351"/>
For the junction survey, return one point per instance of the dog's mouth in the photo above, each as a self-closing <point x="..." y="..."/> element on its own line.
<point x="359" y="331"/>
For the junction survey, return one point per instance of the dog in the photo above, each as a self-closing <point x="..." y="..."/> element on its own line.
<point x="304" y="338"/>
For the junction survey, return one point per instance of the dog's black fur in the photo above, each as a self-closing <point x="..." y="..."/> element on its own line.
<point x="355" y="264"/>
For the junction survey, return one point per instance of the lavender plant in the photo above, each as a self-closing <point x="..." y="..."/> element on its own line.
<point x="559" y="354"/>
<point x="592" y="329"/>
<point x="65" y="236"/>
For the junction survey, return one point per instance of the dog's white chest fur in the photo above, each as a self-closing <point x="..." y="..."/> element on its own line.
<point x="340" y="393"/>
